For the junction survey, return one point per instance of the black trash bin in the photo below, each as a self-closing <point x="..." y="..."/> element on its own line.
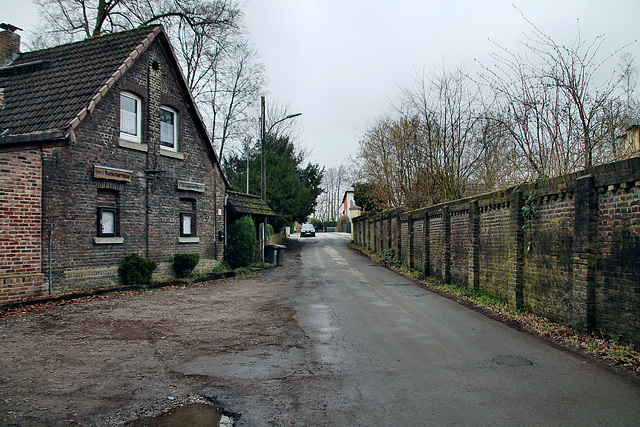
<point x="271" y="253"/>
<point x="280" y="254"/>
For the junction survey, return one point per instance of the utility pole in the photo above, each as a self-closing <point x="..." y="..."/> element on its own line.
<point x="263" y="162"/>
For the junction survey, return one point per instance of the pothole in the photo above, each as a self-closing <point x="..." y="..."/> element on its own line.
<point x="193" y="415"/>
<point x="508" y="360"/>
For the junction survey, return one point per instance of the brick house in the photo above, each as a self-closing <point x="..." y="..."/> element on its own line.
<point x="102" y="153"/>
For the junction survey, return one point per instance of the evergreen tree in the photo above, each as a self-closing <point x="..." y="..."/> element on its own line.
<point x="292" y="187"/>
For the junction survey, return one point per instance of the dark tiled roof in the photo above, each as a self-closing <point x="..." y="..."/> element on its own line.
<point x="46" y="90"/>
<point x="246" y="204"/>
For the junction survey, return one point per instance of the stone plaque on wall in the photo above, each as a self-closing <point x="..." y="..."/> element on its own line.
<point x="191" y="186"/>
<point x="103" y="172"/>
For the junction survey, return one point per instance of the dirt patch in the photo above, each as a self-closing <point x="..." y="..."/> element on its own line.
<point x="109" y="359"/>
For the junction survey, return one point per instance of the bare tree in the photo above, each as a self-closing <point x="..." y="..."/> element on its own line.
<point x="235" y="90"/>
<point x="334" y="184"/>
<point x="552" y="103"/>
<point x="73" y="20"/>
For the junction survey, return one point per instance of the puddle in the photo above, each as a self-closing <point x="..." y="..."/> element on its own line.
<point x="194" y="415"/>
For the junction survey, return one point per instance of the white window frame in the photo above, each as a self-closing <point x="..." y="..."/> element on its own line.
<point x="127" y="136"/>
<point x="175" y="130"/>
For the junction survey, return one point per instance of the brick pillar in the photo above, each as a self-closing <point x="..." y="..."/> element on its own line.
<point x="367" y="233"/>
<point x="399" y="234"/>
<point x="378" y="235"/>
<point x="516" y="252"/>
<point x="410" y="225"/>
<point x="389" y="233"/>
<point x="446" y="245"/>
<point x="426" y="269"/>
<point x="372" y="231"/>
<point x="584" y="254"/>
<point x="474" y="245"/>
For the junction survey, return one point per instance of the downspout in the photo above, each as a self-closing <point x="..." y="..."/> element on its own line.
<point x="215" y="213"/>
<point x="226" y="196"/>
<point x="50" y="263"/>
<point x="149" y="152"/>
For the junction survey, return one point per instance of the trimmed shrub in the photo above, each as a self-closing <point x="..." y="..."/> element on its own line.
<point x="136" y="270"/>
<point x="183" y="264"/>
<point x="241" y="247"/>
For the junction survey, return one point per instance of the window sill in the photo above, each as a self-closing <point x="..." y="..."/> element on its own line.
<point x="189" y="240"/>
<point x="133" y="145"/>
<point x="108" y="240"/>
<point x="173" y="154"/>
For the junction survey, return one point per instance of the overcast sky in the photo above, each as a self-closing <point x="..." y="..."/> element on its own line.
<point x="340" y="62"/>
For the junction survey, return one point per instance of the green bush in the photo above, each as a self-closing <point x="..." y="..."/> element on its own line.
<point x="389" y="257"/>
<point x="317" y="224"/>
<point x="136" y="270"/>
<point x="183" y="264"/>
<point x="270" y="230"/>
<point x="241" y="247"/>
<point x="223" y="266"/>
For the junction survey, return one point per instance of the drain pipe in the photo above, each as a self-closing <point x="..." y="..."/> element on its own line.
<point x="50" y="262"/>
<point x="226" y="196"/>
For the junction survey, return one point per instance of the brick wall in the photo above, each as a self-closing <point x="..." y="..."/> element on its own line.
<point x="20" y="225"/>
<point x="575" y="260"/>
<point x="459" y="245"/>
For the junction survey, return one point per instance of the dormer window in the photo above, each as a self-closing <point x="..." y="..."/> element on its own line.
<point x="168" y="129"/>
<point x="130" y="117"/>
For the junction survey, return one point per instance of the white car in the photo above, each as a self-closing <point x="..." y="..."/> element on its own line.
<point x="307" y="230"/>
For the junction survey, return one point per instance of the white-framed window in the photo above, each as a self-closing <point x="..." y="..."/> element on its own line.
<point x="107" y="222"/>
<point x="187" y="218"/>
<point x="168" y="129"/>
<point x="187" y="224"/>
<point x="130" y="117"/>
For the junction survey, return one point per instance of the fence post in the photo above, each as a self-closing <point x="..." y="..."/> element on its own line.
<point x="584" y="253"/>
<point x="516" y="252"/>
<point x="426" y="265"/>
<point x="399" y="234"/>
<point x="474" y="245"/>
<point x="446" y="245"/>
<point x="410" y="225"/>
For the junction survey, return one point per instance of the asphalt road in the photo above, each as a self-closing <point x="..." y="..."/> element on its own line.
<point x="330" y="339"/>
<point x="405" y="356"/>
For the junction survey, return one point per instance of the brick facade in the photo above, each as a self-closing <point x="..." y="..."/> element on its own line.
<point x="20" y="225"/>
<point x="576" y="260"/>
<point x="149" y="204"/>
<point x="59" y="177"/>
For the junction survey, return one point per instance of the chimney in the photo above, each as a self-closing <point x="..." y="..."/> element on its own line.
<point x="9" y="44"/>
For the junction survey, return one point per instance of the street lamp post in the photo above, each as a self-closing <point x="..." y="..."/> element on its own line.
<point x="263" y="135"/>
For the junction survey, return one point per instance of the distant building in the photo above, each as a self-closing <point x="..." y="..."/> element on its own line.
<point x="348" y="211"/>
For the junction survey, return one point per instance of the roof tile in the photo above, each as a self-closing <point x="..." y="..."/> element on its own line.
<point x="246" y="204"/>
<point x="61" y="81"/>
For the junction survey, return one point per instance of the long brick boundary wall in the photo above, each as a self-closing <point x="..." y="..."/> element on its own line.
<point x="575" y="260"/>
